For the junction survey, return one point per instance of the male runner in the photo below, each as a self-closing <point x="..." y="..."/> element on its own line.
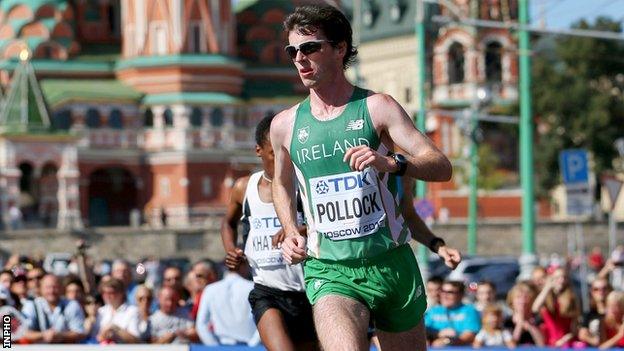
<point x="337" y="143"/>
<point x="281" y="310"/>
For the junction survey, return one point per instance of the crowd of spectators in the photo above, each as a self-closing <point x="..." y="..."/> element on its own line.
<point x="152" y="303"/>
<point x="127" y="304"/>
<point x="543" y="311"/>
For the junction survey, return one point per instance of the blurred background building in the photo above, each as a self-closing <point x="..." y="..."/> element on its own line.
<point x="146" y="106"/>
<point x="143" y="110"/>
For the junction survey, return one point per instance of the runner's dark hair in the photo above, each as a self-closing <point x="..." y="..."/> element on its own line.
<point x="327" y="19"/>
<point x="262" y="129"/>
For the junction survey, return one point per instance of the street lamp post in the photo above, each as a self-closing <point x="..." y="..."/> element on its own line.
<point x="528" y="258"/>
<point x="482" y="99"/>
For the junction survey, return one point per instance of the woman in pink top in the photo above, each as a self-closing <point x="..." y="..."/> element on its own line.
<point x="612" y="327"/>
<point x="559" y="308"/>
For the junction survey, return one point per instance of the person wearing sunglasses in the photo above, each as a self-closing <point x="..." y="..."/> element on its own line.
<point x="338" y="142"/>
<point x="452" y="322"/>
<point x="589" y="329"/>
<point x="280" y="308"/>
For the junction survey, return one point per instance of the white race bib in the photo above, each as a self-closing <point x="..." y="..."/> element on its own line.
<point x="347" y="205"/>
<point x="260" y="241"/>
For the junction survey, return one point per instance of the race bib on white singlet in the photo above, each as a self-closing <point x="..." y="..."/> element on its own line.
<point x="261" y="245"/>
<point x="347" y="205"/>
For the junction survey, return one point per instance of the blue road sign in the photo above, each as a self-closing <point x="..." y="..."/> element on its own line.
<point x="574" y="167"/>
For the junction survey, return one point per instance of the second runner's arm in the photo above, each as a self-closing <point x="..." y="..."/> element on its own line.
<point x="420" y="231"/>
<point x="229" y="228"/>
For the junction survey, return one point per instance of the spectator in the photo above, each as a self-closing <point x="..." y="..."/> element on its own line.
<point x="170" y="324"/>
<point x="92" y="304"/>
<point x="434" y="285"/>
<point x="538" y="277"/>
<point x="6" y="278"/>
<point x="596" y="260"/>
<point x="19" y="287"/>
<point x="6" y="298"/>
<point x="614" y="267"/>
<point x="589" y="331"/>
<point x="173" y="277"/>
<point x="224" y="316"/>
<point x="612" y="330"/>
<point x="34" y="276"/>
<point x="15" y="217"/>
<point x="558" y="308"/>
<point x="117" y="321"/>
<point x="452" y="322"/>
<point x="486" y="295"/>
<point x="203" y="273"/>
<point x="51" y="318"/>
<point x="523" y="324"/>
<point x="74" y="290"/>
<point x="492" y="333"/>
<point x="121" y="271"/>
<point x="144" y="302"/>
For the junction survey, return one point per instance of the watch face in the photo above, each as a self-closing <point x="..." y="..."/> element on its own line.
<point x="400" y="158"/>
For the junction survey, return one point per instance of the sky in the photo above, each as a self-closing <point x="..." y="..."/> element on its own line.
<point x="562" y="13"/>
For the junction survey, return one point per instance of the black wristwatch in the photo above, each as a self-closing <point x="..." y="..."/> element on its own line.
<point x="435" y="243"/>
<point x="401" y="161"/>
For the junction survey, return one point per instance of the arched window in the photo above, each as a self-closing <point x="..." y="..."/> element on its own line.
<point x="456" y="63"/>
<point x="26" y="179"/>
<point x="168" y="117"/>
<point x="113" y="18"/>
<point x="196" y="117"/>
<point x="148" y="118"/>
<point x="93" y="118"/>
<point x="114" y="120"/>
<point x="493" y="62"/>
<point x="61" y="120"/>
<point x="216" y="117"/>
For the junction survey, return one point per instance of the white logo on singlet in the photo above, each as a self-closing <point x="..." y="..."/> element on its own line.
<point x="322" y="187"/>
<point x="355" y="125"/>
<point x="303" y="134"/>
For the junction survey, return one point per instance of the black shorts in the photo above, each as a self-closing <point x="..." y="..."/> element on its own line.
<point x="294" y="306"/>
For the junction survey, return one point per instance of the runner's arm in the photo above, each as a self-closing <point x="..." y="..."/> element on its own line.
<point x="229" y="228"/>
<point x="284" y="198"/>
<point x="424" y="160"/>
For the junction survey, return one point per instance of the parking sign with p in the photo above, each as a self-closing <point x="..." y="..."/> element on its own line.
<point x="573" y="163"/>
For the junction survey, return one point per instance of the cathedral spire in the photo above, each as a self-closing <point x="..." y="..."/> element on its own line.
<point x="24" y="109"/>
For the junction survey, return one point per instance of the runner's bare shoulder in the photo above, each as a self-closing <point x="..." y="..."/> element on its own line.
<point x="282" y="124"/>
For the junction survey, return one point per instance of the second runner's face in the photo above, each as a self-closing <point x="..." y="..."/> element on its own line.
<point x="265" y="152"/>
<point x="319" y="66"/>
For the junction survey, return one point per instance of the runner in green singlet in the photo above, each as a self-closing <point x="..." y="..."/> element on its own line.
<point x="335" y="145"/>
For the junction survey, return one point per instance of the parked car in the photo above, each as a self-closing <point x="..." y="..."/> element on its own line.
<point x="502" y="271"/>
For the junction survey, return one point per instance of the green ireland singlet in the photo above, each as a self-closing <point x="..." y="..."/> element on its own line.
<point x="351" y="214"/>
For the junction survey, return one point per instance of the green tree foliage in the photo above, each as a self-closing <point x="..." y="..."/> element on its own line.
<point x="578" y="89"/>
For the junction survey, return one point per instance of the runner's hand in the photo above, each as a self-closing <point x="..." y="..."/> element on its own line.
<point x="278" y="238"/>
<point x="451" y="256"/>
<point x="233" y="258"/>
<point x="362" y="156"/>
<point x="294" y="248"/>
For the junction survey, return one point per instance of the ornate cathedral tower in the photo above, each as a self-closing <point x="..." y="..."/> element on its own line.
<point x="179" y="53"/>
<point x="197" y="36"/>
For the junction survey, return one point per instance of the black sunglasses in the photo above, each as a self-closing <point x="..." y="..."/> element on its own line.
<point x="306" y="48"/>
